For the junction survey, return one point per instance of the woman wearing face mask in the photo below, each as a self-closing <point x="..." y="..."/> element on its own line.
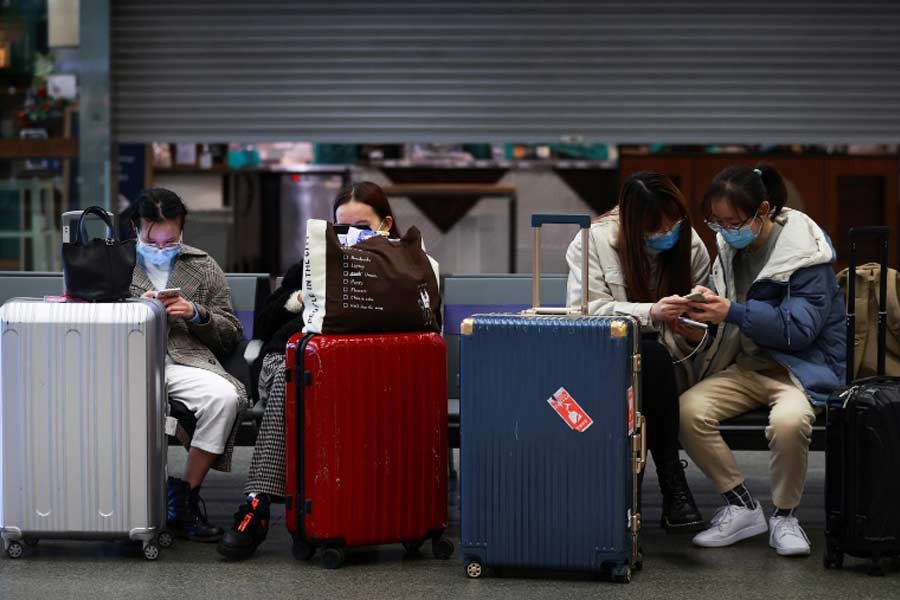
<point x="780" y="344"/>
<point x="643" y="256"/>
<point x="363" y="205"/>
<point x="202" y="325"/>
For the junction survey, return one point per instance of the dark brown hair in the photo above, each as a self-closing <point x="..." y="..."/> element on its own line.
<point x="645" y="198"/>
<point x="745" y="189"/>
<point x="369" y="193"/>
<point x="157" y="205"/>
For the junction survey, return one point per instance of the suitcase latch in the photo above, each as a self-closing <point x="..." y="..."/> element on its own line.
<point x="636" y="363"/>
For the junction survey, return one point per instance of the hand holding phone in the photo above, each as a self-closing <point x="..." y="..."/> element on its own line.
<point x="168" y="293"/>
<point x="695" y="297"/>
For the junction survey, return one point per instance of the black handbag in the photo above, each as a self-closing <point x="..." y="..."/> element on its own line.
<point x="98" y="270"/>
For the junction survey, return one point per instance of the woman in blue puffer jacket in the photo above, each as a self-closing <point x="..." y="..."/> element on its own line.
<point x="780" y="343"/>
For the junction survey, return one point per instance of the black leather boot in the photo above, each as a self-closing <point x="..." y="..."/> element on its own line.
<point x="679" y="511"/>
<point x="187" y="518"/>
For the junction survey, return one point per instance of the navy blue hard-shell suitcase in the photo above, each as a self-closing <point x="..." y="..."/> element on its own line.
<point x="551" y="437"/>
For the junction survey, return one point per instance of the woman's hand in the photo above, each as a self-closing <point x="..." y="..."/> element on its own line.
<point x="667" y="309"/>
<point x="691" y="334"/>
<point x="176" y="306"/>
<point x="714" y="310"/>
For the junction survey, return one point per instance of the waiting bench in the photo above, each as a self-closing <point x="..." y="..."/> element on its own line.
<point x="465" y="295"/>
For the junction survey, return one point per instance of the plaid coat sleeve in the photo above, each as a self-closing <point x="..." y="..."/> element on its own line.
<point x="219" y="329"/>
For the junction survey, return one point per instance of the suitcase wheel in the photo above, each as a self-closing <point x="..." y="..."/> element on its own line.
<point x="31" y="542"/>
<point x="412" y="548"/>
<point x="474" y="569"/>
<point x="622" y="574"/>
<point x="332" y="558"/>
<point x="301" y="550"/>
<point x="151" y="551"/>
<point x="165" y="539"/>
<point x="15" y="550"/>
<point x="442" y="548"/>
<point x="833" y="557"/>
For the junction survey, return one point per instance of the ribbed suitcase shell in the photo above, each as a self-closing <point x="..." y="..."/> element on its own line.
<point x="534" y="492"/>
<point x="373" y="425"/>
<point x="862" y="454"/>
<point x="82" y="418"/>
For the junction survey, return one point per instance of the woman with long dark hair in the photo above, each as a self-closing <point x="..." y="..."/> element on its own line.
<point x="644" y="255"/>
<point x="361" y="204"/>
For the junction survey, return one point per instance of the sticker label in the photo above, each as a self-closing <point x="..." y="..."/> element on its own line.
<point x="630" y="409"/>
<point x="171" y="425"/>
<point x="570" y="411"/>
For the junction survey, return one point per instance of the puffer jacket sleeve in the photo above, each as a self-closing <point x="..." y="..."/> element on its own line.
<point x="219" y="328"/>
<point x="795" y="322"/>
<point x="600" y="298"/>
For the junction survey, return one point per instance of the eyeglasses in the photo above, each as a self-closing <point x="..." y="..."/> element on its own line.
<point x="166" y="246"/>
<point x="720" y="227"/>
<point x="674" y="226"/>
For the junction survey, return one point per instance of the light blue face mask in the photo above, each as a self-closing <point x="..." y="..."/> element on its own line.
<point x="158" y="257"/>
<point x="740" y="238"/>
<point x="660" y="242"/>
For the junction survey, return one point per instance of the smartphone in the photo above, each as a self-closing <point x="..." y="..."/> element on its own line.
<point x="692" y="323"/>
<point x="695" y="297"/>
<point x="168" y="293"/>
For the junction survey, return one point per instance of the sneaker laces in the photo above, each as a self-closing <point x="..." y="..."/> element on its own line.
<point x="245" y="513"/>
<point x="723" y="516"/>
<point x="200" y="512"/>
<point x="789" y="526"/>
<point x="676" y="483"/>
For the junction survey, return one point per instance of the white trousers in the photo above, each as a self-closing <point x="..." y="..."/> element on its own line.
<point x="212" y="399"/>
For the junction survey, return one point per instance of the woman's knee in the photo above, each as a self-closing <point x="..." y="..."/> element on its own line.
<point x="790" y="424"/>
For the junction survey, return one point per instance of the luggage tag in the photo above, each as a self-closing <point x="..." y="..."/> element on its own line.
<point x="171" y="426"/>
<point x="570" y="411"/>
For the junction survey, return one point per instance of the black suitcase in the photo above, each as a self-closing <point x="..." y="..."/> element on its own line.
<point x="862" y="445"/>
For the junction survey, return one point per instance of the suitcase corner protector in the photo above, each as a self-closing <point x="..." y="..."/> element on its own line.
<point x="467" y="326"/>
<point x="618" y="328"/>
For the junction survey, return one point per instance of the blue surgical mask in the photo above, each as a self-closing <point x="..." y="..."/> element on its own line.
<point x="158" y="257"/>
<point x="740" y="238"/>
<point x="660" y="242"/>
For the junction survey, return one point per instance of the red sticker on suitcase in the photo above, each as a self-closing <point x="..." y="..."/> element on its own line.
<point x="569" y="410"/>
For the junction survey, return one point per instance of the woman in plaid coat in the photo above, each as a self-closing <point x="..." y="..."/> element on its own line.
<point x="202" y="326"/>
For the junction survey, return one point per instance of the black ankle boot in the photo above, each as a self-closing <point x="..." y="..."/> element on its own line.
<point x="679" y="512"/>
<point x="187" y="513"/>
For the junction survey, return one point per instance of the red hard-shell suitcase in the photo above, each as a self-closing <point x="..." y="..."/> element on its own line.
<point x="370" y="413"/>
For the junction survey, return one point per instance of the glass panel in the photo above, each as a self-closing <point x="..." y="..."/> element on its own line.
<point x="31" y="202"/>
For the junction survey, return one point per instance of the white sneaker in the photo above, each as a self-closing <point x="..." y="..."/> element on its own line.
<point x="787" y="537"/>
<point x="730" y="525"/>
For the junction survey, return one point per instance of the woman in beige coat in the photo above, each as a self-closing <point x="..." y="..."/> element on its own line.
<point x="643" y="256"/>
<point x="202" y="326"/>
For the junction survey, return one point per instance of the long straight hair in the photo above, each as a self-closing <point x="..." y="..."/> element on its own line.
<point x="645" y="198"/>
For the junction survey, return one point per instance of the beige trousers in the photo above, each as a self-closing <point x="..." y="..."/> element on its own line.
<point x="735" y="391"/>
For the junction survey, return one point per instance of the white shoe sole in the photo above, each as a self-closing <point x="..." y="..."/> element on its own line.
<point x="789" y="551"/>
<point x="737" y="536"/>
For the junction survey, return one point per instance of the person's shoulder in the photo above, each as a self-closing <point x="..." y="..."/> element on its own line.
<point x="199" y="259"/>
<point x="605" y="229"/>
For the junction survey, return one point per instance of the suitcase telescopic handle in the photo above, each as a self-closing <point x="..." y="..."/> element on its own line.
<point x="881" y="233"/>
<point x="538" y="221"/>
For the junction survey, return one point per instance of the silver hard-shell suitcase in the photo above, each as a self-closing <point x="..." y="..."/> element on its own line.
<point x="82" y="423"/>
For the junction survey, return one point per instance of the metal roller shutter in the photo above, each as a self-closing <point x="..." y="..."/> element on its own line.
<point x="458" y="71"/>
